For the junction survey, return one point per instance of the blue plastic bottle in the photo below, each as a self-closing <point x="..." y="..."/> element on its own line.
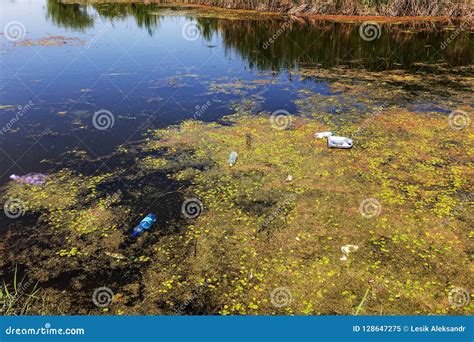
<point x="145" y="224"/>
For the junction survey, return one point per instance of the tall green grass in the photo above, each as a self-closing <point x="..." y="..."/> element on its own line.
<point x="16" y="299"/>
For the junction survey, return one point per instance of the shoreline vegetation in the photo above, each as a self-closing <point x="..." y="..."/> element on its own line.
<point x="354" y="10"/>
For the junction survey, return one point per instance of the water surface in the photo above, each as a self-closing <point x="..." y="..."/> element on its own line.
<point x="152" y="67"/>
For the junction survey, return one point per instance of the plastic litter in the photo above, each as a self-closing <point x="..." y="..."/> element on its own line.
<point x="289" y="178"/>
<point x="322" y="135"/>
<point x="334" y="141"/>
<point x="340" y="142"/>
<point x="30" y="178"/>
<point x="115" y="256"/>
<point x="145" y="224"/>
<point x="347" y="249"/>
<point x="232" y="158"/>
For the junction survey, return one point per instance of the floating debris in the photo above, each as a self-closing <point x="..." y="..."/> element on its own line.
<point x="347" y="249"/>
<point x="145" y="224"/>
<point x="52" y="41"/>
<point x="30" y="178"/>
<point x="334" y="141"/>
<point x="115" y="256"/>
<point x="322" y="135"/>
<point x="340" y="142"/>
<point x="232" y="158"/>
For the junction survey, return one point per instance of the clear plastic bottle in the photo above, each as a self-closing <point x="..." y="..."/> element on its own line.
<point x="232" y="158"/>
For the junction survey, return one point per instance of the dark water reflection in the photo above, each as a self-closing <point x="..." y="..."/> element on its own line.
<point x="286" y="43"/>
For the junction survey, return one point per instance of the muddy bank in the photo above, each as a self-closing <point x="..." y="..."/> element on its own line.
<point x="354" y="9"/>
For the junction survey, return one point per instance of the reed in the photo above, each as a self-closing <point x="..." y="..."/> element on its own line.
<point x="453" y="8"/>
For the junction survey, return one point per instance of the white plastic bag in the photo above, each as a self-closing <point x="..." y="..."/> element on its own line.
<point x="322" y="135"/>
<point x="347" y="249"/>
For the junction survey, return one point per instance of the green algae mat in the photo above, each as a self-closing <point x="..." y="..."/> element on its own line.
<point x="402" y="195"/>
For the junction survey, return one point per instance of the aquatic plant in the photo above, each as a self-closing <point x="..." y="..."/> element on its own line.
<point x="17" y="298"/>
<point x="401" y="159"/>
<point x="262" y="244"/>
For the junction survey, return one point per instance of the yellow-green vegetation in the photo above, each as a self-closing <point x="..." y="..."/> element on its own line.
<point x="69" y="201"/>
<point x="259" y="232"/>
<point x="75" y="225"/>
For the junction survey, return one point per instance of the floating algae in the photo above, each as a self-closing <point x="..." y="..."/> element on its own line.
<point x="414" y="163"/>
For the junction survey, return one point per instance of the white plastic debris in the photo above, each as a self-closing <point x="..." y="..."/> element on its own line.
<point x="232" y="158"/>
<point x="322" y="135"/>
<point x="340" y="142"/>
<point x="334" y="141"/>
<point x="289" y="178"/>
<point x="347" y="249"/>
<point x="115" y="255"/>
